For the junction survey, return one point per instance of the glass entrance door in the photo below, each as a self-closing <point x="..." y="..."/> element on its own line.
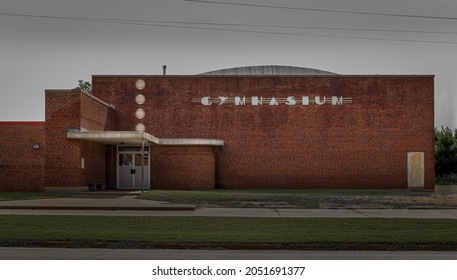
<point x="133" y="169"/>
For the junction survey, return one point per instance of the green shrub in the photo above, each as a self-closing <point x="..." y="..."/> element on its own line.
<point x="447" y="179"/>
<point x="445" y="152"/>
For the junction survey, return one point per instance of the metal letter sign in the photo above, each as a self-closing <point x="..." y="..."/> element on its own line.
<point x="272" y="101"/>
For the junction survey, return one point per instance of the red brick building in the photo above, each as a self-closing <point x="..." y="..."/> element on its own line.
<point x="22" y="158"/>
<point x="209" y="131"/>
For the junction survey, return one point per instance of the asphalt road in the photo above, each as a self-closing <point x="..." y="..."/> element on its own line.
<point x="135" y="254"/>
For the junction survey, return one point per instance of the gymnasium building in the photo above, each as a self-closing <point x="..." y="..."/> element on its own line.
<point x="249" y="127"/>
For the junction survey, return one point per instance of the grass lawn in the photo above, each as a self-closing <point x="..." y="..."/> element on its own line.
<point x="273" y="198"/>
<point x="217" y="230"/>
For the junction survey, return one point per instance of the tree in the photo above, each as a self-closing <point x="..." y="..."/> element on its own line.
<point x="85" y="86"/>
<point x="445" y="151"/>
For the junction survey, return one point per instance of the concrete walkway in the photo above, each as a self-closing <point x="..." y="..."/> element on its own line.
<point x="125" y="204"/>
<point x="95" y="202"/>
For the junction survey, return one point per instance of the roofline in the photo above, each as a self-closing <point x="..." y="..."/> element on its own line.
<point x="336" y="76"/>
<point x="70" y="91"/>
<point x="22" y="122"/>
<point x="268" y="70"/>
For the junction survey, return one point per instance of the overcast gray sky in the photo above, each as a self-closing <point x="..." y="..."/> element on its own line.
<point x="54" y="43"/>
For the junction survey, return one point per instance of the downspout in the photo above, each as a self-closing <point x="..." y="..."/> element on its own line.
<point x="142" y="164"/>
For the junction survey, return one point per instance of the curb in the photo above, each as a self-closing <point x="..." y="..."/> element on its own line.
<point x="80" y="244"/>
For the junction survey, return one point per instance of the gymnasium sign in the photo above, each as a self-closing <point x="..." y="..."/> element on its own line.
<point x="273" y="101"/>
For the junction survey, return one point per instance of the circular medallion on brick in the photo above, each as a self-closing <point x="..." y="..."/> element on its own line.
<point x="140" y="84"/>
<point x="139" y="114"/>
<point x="140" y="99"/>
<point x="140" y="127"/>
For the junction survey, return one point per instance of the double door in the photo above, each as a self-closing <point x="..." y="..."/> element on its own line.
<point x="133" y="170"/>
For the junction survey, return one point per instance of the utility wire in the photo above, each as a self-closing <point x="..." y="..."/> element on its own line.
<point x="292" y="33"/>
<point x="137" y="21"/>
<point x="171" y="24"/>
<point x="321" y="10"/>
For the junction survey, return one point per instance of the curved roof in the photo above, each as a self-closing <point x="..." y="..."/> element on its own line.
<point x="273" y="70"/>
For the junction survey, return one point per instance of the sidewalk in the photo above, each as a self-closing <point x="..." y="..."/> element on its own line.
<point x="113" y="201"/>
<point x="125" y="204"/>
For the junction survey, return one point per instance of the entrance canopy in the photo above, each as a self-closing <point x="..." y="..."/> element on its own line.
<point x="137" y="138"/>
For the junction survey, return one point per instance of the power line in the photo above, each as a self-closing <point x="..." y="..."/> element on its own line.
<point x="296" y="34"/>
<point x="319" y="28"/>
<point x="177" y="24"/>
<point x="321" y="10"/>
<point x="135" y="21"/>
<point x="278" y="26"/>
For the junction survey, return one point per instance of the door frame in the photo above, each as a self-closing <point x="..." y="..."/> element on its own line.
<point x="147" y="165"/>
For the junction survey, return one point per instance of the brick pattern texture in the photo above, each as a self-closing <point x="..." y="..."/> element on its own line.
<point x="74" y="110"/>
<point x="183" y="167"/>
<point x="21" y="165"/>
<point x="358" y="145"/>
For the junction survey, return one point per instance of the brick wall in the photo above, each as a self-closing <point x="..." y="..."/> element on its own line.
<point x="111" y="167"/>
<point x="74" y="110"/>
<point x="63" y="157"/>
<point x="94" y="163"/>
<point x="358" y="145"/>
<point x="21" y="165"/>
<point x="95" y="115"/>
<point x="183" y="167"/>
